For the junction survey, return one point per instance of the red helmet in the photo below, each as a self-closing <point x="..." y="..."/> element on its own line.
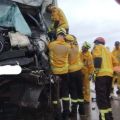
<point x="100" y="40"/>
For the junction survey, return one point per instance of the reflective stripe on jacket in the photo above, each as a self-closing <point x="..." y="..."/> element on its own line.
<point x="58" y="52"/>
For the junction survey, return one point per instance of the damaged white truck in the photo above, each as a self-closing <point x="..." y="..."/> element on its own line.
<point x="23" y="42"/>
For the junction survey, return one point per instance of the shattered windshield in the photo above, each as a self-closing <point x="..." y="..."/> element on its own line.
<point x="23" y="14"/>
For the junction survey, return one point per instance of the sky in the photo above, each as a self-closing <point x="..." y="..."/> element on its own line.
<point x="89" y="19"/>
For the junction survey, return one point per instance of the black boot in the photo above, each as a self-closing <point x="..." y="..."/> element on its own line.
<point x="81" y="109"/>
<point x="118" y="91"/>
<point x="73" y="116"/>
<point x="66" y="112"/>
<point x="65" y="115"/>
<point x="57" y="112"/>
<point x="108" y="116"/>
<point x="73" y="113"/>
<point x="57" y="116"/>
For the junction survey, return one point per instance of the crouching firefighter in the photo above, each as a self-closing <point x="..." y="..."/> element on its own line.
<point x="103" y="63"/>
<point x="75" y="78"/>
<point x="59" y="52"/>
<point x="58" y="20"/>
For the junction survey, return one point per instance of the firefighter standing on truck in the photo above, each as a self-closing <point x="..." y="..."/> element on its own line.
<point x="58" y="52"/>
<point x="103" y="63"/>
<point x="58" y="19"/>
<point x="75" y="78"/>
<point x="87" y="70"/>
<point x="116" y="53"/>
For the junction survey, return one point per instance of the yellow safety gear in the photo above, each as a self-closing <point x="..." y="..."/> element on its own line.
<point x="115" y="61"/>
<point x="87" y="69"/>
<point x="58" y="53"/>
<point x="74" y="100"/>
<point x="55" y="102"/>
<point x="86" y="45"/>
<point x="61" y="30"/>
<point x="94" y="76"/>
<point x="65" y="98"/>
<point x="109" y="109"/>
<point x="107" y="60"/>
<point x="75" y="63"/>
<point x="86" y="87"/>
<point x="80" y="100"/>
<point x="103" y="112"/>
<point x="58" y="15"/>
<point x="69" y="37"/>
<point x="87" y="60"/>
<point x="51" y="27"/>
<point x="116" y="54"/>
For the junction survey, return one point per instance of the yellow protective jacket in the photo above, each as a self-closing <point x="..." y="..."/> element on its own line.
<point x="58" y="15"/>
<point x="108" y="61"/>
<point x="75" y="63"/>
<point x="116" y="53"/>
<point x="58" y="53"/>
<point x="87" y="60"/>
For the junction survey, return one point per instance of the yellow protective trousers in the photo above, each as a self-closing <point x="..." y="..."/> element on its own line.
<point x="86" y="87"/>
<point x="116" y="77"/>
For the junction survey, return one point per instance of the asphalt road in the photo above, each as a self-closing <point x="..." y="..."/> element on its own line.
<point x="92" y="109"/>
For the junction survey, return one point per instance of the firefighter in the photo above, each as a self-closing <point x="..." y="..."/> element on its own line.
<point x="75" y="78"/>
<point x="103" y="63"/>
<point x="58" y="52"/>
<point x="116" y="53"/>
<point x="87" y="70"/>
<point x="58" y="18"/>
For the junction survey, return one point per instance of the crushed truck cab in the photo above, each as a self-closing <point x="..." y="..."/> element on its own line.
<point x="23" y="42"/>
